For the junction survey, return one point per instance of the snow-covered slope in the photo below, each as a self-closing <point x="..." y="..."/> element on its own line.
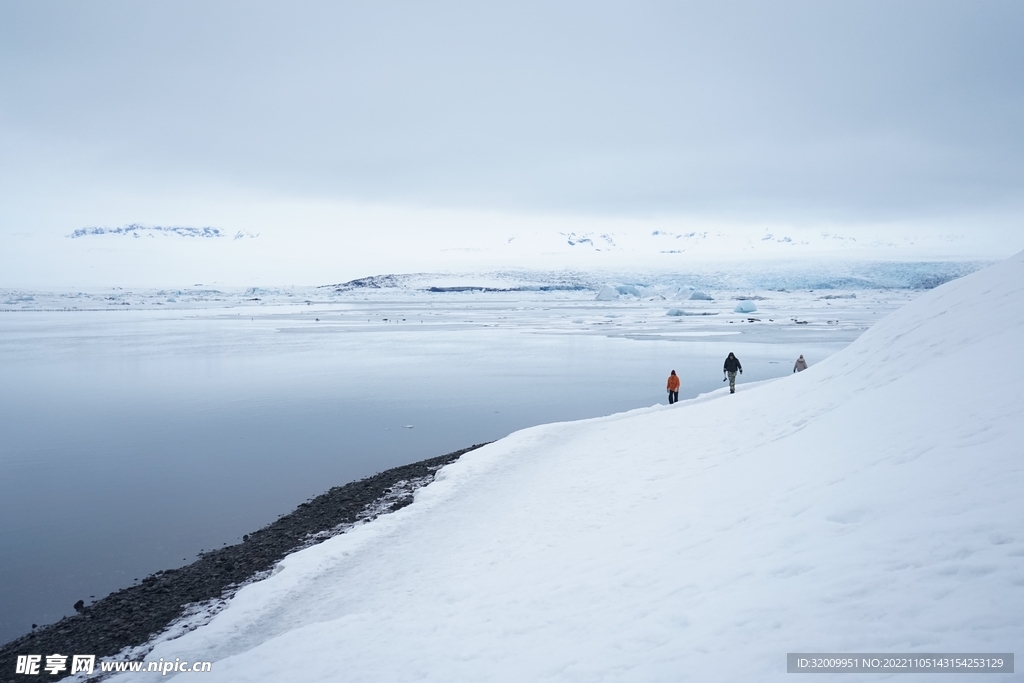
<point x="871" y="503"/>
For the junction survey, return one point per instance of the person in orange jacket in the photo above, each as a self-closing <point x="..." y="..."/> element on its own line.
<point x="673" y="388"/>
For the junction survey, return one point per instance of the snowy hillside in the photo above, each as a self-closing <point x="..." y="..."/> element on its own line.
<point x="869" y="504"/>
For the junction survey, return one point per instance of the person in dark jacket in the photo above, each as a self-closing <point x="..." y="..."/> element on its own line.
<point x="673" y="388"/>
<point x="731" y="367"/>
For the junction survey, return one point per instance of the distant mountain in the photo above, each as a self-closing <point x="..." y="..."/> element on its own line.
<point x="137" y="230"/>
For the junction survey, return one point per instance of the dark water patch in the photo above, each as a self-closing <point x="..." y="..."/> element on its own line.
<point x="132" y="616"/>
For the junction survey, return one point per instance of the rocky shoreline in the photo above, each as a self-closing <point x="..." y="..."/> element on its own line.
<point x="131" y="617"/>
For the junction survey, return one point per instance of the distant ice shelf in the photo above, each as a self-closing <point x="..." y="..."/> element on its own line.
<point x="699" y="285"/>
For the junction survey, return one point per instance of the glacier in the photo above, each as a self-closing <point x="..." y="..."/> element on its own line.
<point x="870" y="503"/>
<point x="738" y="280"/>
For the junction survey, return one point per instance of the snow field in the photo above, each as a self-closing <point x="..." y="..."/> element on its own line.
<point x="870" y="503"/>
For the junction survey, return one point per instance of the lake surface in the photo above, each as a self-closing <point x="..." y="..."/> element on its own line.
<point x="131" y="440"/>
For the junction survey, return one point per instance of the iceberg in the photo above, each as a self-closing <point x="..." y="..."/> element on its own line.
<point x="745" y="307"/>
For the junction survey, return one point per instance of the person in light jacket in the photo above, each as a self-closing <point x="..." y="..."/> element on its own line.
<point x="800" y="364"/>
<point x="673" y="388"/>
<point x="730" y="368"/>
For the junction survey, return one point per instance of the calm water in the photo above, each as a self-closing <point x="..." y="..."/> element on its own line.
<point x="131" y="441"/>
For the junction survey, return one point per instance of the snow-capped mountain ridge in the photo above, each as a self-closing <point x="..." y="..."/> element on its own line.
<point x="138" y="230"/>
<point x="780" y="242"/>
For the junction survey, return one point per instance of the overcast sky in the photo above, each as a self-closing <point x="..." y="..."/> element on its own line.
<point x="795" y="113"/>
